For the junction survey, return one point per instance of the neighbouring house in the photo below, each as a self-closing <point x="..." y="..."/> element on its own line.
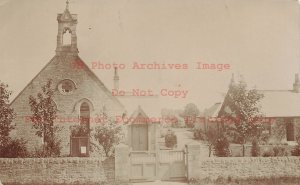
<point x="280" y="110"/>
<point x="79" y="93"/>
<point x="209" y="118"/>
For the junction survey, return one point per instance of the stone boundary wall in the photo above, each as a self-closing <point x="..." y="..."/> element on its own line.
<point x="199" y="167"/>
<point x="245" y="167"/>
<point x="56" y="170"/>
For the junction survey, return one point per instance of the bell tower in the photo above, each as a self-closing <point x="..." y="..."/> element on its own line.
<point x="66" y="36"/>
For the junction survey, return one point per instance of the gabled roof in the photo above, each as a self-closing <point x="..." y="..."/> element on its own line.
<point x="275" y="103"/>
<point x="213" y="110"/>
<point x="65" y="59"/>
<point x="280" y="103"/>
<point x="139" y="117"/>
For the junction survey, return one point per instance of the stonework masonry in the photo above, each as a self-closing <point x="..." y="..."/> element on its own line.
<point x="240" y="167"/>
<point x="88" y="89"/>
<point x="56" y="170"/>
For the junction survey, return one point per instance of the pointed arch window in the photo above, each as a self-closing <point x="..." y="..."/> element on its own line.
<point x="85" y="115"/>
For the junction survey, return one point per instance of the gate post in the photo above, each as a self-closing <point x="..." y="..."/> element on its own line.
<point x="122" y="170"/>
<point x="193" y="159"/>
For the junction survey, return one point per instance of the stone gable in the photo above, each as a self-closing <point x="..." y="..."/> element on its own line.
<point x="88" y="88"/>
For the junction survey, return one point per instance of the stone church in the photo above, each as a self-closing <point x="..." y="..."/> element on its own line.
<point x="78" y="91"/>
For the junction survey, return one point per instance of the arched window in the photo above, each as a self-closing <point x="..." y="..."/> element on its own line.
<point x="67" y="37"/>
<point x="85" y="115"/>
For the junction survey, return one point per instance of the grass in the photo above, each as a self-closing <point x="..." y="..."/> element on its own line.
<point x="248" y="181"/>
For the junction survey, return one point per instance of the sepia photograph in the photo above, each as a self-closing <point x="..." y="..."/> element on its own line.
<point x="149" y="92"/>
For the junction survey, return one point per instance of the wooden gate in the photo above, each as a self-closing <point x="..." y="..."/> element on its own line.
<point x="172" y="165"/>
<point x="162" y="165"/>
<point x="143" y="166"/>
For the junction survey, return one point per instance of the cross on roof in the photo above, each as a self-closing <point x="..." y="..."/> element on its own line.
<point x="67" y="4"/>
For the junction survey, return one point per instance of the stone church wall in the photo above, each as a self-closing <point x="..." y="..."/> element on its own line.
<point x="87" y="90"/>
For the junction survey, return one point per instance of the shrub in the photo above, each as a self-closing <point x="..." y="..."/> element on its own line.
<point x="170" y="139"/>
<point x="199" y="134"/>
<point x="14" y="148"/>
<point x="255" y="149"/>
<point x="268" y="153"/>
<point x="50" y="149"/>
<point x="79" y="131"/>
<point x="108" y="135"/>
<point x="296" y="150"/>
<point x="221" y="147"/>
<point x="279" y="151"/>
<point x="264" y="138"/>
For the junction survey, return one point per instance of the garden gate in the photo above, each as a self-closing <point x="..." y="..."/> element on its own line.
<point x="162" y="165"/>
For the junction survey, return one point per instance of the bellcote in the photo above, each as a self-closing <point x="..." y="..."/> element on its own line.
<point x="66" y="36"/>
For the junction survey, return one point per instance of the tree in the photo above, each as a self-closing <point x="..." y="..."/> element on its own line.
<point x="9" y="148"/>
<point x="221" y="146"/>
<point x="44" y="114"/>
<point x="212" y="135"/>
<point x="108" y="134"/>
<point x="190" y="113"/>
<point x="244" y="112"/>
<point x="255" y="149"/>
<point x="6" y="114"/>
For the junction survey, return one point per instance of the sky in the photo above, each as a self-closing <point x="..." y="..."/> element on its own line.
<point x="259" y="39"/>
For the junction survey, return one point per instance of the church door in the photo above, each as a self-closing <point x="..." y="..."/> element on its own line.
<point x="80" y="145"/>
<point x="139" y="137"/>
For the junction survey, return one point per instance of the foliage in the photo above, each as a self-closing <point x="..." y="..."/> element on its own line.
<point x="211" y="135"/>
<point x="275" y="151"/>
<point x="14" y="148"/>
<point x="221" y="147"/>
<point x="268" y="153"/>
<point x="255" y="149"/>
<point x="279" y="130"/>
<point x="9" y="148"/>
<point x="170" y="139"/>
<point x="199" y="134"/>
<point x="108" y="135"/>
<point x="80" y="131"/>
<point x="170" y="117"/>
<point x="44" y="114"/>
<point x="264" y="138"/>
<point x="244" y="112"/>
<point x="190" y="113"/>
<point x="6" y="114"/>
<point x="279" y="151"/>
<point x="296" y="150"/>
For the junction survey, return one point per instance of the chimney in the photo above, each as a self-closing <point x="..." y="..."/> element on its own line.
<point x="232" y="81"/>
<point x="296" y="85"/>
<point x="116" y="79"/>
